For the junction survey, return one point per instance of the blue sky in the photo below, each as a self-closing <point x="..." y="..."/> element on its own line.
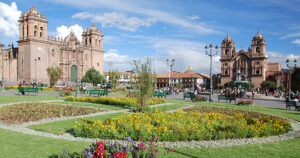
<point x="133" y="29"/>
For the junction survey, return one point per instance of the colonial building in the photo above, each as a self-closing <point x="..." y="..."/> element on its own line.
<point x="124" y="78"/>
<point x="252" y="65"/>
<point x="187" y="79"/>
<point x="36" y="52"/>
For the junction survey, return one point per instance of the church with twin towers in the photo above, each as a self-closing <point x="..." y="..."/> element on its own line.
<point x="36" y="52"/>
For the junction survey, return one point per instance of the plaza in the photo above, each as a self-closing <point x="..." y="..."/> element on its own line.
<point x="157" y="85"/>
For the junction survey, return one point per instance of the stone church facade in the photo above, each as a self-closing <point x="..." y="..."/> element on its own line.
<point x="252" y="65"/>
<point x="36" y="52"/>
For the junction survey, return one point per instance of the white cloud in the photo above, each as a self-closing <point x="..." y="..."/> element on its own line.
<point x="115" y="19"/>
<point x="63" y="31"/>
<point x="186" y="53"/>
<point x="139" y="7"/>
<point x="290" y="35"/>
<point x="277" y="57"/>
<point x="9" y="16"/>
<point x="194" y="17"/>
<point x="296" y="41"/>
<point x="119" y="62"/>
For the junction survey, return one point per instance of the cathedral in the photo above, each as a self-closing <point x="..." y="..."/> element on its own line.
<point x="36" y="52"/>
<point x="246" y="66"/>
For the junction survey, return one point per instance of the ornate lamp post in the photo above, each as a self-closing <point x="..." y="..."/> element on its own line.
<point x="290" y="76"/>
<point x="193" y="83"/>
<point x="170" y="69"/>
<point x="2" y="67"/>
<point x="211" y="54"/>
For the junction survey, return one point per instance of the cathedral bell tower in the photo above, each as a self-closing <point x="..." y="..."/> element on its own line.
<point x="227" y="52"/>
<point x="33" y="25"/>
<point x="258" y="46"/>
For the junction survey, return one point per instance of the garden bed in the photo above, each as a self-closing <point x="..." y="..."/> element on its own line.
<point x="119" y="101"/>
<point x="203" y="123"/>
<point x="19" y="113"/>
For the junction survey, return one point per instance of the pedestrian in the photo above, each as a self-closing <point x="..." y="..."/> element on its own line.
<point x="21" y="89"/>
<point x="253" y="93"/>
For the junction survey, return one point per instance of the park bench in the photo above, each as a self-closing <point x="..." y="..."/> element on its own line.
<point x="160" y="94"/>
<point x="295" y="104"/>
<point x="28" y="90"/>
<point x="227" y="98"/>
<point x="99" y="92"/>
<point x="190" y="95"/>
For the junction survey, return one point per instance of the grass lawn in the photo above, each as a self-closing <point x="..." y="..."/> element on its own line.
<point x="60" y="127"/>
<point x="4" y="99"/>
<point x="14" y="145"/>
<point x="170" y="107"/>
<point x="111" y="107"/>
<point x="295" y="115"/>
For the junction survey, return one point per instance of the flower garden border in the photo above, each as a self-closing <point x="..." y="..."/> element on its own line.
<point x="294" y="133"/>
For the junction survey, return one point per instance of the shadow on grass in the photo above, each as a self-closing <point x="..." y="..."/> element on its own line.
<point x="181" y="153"/>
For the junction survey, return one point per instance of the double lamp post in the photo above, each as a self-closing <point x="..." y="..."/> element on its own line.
<point x="290" y="75"/>
<point x="210" y="52"/>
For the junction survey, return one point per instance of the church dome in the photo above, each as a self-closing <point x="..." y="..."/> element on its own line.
<point x="258" y="36"/>
<point x="227" y="39"/>
<point x="93" y="28"/>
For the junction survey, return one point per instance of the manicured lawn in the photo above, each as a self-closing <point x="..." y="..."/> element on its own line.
<point x="60" y="127"/>
<point x="289" y="148"/>
<point x="170" y="107"/>
<point x="4" y="99"/>
<point x="111" y="107"/>
<point x="295" y="115"/>
<point x="14" y="144"/>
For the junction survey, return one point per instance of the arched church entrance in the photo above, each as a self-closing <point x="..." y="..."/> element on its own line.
<point x="74" y="73"/>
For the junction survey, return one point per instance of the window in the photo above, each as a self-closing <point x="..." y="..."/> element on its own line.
<point x="258" y="50"/>
<point x="41" y="31"/>
<point x="226" y="52"/>
<point x="225" y="64"/>
<point x="257" y="63"/>
<point x="35" y="30"/>
<point x="97" y="64"/>
<point x="226" y="72"/>
<point x="85" y="56"/>
<point x="39" y="58"/>
<point x="22" y="61"/>
<point x="52" y="52"/>
<point x="257" y="72"/>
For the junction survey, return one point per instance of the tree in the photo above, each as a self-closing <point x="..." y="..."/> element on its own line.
<point x="220" y="86"/>
<point x="268" y="85"/>
<point x="143" y="83"/>
<point x="282" y="88"/>
<point x="178" y="85"/>
<point x="296" y="80"/>
<point x="114" y="77"/>
<point x="54" y="74"/>
<point x="93" y="76"/>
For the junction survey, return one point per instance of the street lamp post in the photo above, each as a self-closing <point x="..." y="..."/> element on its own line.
<point x="193" y="83"/>
<point x="211" y="54"/>
<point x="171" y="69"/>
<point x="2" y="67"/>
<point x="290" y="75"/>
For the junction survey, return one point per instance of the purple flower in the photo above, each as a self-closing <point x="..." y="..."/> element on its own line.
<point x="112" y="147"/>
<point x="129" y="140"/>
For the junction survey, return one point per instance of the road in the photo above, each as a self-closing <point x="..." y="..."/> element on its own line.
<point x="274" y="103"/>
